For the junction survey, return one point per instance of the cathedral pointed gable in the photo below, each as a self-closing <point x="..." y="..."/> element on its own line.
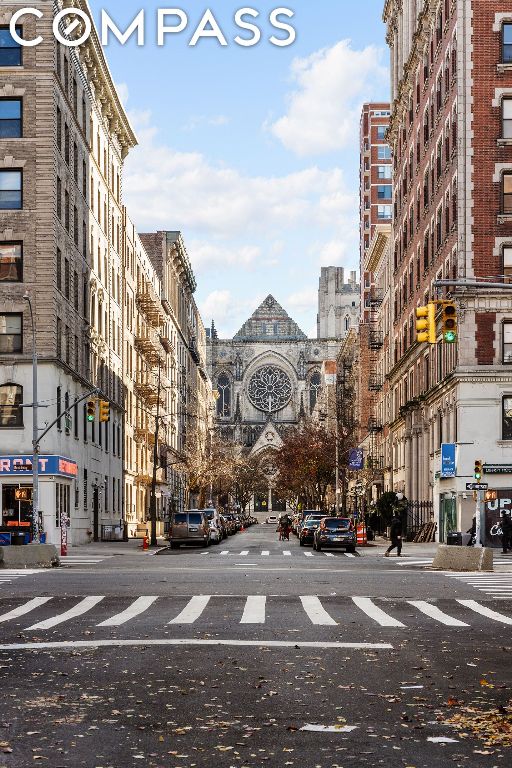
<point x="270" y="322"/>
<point x="269" y="438"/>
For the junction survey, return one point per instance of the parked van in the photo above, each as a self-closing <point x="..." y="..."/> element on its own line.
<point x="190" y="527"/>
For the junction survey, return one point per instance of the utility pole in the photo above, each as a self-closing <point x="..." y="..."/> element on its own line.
<point x="478" y="519"/>
<point x="152" y="501"/>
<point x="35" y="431"/>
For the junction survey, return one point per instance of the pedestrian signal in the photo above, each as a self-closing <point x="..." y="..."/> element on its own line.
<point x="426" y="324"/>
<point x="478" y="469"/>
<point x="91" y="410"/>
<point x="104" y="410"/>
<point x="449" y="322"/>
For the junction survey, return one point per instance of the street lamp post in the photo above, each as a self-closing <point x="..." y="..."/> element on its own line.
<point x="35" y="430"/>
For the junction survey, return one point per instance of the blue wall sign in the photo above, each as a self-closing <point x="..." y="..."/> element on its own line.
<point x="356" y="459"/>
<point x="21" y="466"/>
<point x="448" y="463"/>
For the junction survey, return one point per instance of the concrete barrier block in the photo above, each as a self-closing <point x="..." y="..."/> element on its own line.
<point x="29" y="556"/>
<point x="454" y="558"/>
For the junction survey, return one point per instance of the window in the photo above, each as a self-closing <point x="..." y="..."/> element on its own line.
<point x="506" y="203"/>
<point x="507" y="418"/>
<point x="507" y="43"/>
<point x="506" y="119"/>
<point x="384" y="171"/>
<point x="11" y="338"/>
<point x="384" y="152"/>
<point x="384" y="212"/>
<point x="507" y="263"/>
<point x="59" y="198"/>
<point x="507" y="342"/>
<point x="10" y="119"/>
<point x="224" y="400"/>
<point x="10" y="51"/>
<point x="384" y="192"/>
<point x="11" y="397"/>
<point x="11" y="197"/>
<point x="381" y="132"/>
<point x="315" y="384"/>
<point x="11" y="263"/>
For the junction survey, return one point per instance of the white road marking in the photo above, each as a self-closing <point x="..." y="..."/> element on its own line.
<point x="316" y="612"/>
<point x="254" y="611"/>
<point x="244" y="553"/>
<point x="329" y="728"/>
<point x="477" y="608"/>
<point x="24" y="609"/>
<point x="192" y="610"/>
<point x="349" y="554"/>
<point x="308" y="554"/>
<point x="140" y="605"/>
<point x="147" y="643"/>
<point x="374" y="612"/>
<point x="286" y="553"/>
<point x="434" y="613"/>
<point x="265" y="553"/>
<point x="78" y="610"/>
<point x="225" y="552"/>
<point x="328" y="554"/>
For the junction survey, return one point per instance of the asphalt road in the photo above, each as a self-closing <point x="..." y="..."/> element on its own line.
<point x="196" y="658"/>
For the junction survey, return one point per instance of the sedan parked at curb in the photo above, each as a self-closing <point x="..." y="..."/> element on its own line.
<point x="307" y="533"/>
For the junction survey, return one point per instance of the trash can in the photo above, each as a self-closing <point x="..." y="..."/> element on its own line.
<point x="17" y="539"/>
<point x="454" y="537"/>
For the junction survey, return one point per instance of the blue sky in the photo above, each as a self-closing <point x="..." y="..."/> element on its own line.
<point x="252" y="152"/>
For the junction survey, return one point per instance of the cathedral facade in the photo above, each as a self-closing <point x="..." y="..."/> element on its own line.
<point x="267" y="377"/>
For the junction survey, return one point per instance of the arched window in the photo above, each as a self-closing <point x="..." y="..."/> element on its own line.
<point x="224" y="401"/>
<point x="315" y="383"/>
<point x="11" y="397"/>
<point x="347" y="323"/>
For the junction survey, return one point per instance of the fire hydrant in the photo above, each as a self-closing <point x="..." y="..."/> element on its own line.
<point x="145" y="542"/>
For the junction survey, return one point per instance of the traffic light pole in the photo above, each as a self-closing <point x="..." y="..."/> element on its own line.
<point x="478" y="519"/>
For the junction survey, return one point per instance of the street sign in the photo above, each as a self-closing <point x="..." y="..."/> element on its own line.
<point x="497" y="469"/>
<point x="448" y="460"/>
<point x="477" y="486"/>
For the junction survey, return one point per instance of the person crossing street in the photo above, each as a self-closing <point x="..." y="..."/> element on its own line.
<point x="395" y="535"/>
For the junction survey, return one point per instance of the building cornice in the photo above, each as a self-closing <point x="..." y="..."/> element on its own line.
<point x="378" y="246"/>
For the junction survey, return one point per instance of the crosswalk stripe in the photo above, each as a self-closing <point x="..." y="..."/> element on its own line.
<point x="254" y="611"/>
<point x="374" y="612"/>
<point x="265" y="553"/>
<point x="225" y="552"/>
<point x="286" y="553"/>
<point x="244" y="553"/>
<point x="192" y="611"/>
<point x="328" y="554"/>
<point x="487" y="612"/>
<point x="435" y="613"/>
<point x="308" y="554"/>
<point x="349" y="554"/>
<point x="24" y="609"/>
<point x="316" y="612"/>
<point x="139" y="605"/>
<point x="78" y="610"/>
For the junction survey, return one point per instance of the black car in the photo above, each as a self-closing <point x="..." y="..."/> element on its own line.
<point x="335" y="532"/>
<point x="307" y="532"/>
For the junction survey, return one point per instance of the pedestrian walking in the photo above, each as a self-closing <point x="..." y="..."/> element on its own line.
<point x="396" y="536"/>
<point x="506" y="531"/>
<point x="472" y="533"/>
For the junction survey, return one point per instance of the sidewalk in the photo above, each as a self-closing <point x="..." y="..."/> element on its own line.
<point x="409" y="550"/>
<point x="113" y="548"/>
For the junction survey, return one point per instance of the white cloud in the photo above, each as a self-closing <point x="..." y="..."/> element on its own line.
<point x="331" y="86"/>
<point x="303" y="301"/>
<point x="206" y="255"/>
<point x="123" y="93"/>
<point x="227" y="309"/>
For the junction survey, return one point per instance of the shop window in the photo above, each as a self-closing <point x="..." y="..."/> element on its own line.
<point x="11" y="337"/>
<point x="11" y="263"/>
<point x="11" y="398"/>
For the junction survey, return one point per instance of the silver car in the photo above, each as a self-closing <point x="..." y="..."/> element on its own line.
<point x="190" y="527"/>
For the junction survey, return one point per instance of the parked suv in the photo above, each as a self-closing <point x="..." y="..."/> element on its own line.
<point x="190" y="527"/>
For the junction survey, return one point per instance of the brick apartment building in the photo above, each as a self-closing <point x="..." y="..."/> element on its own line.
<point x="100" y="316"/>
<point x="450" y="132"/>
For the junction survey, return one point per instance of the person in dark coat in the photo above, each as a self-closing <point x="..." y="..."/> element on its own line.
<point x="506" y="531"/>
<point x="472" y="533"/>
<point x="396" y="536"/>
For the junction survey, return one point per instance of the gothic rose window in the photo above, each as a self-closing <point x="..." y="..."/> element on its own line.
<point x="270" y="389"/>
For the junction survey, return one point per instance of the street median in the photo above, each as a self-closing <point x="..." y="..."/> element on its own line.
<point x="454" y="558"/>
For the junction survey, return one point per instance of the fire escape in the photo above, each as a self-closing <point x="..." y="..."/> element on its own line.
<point x="375" y="380"/>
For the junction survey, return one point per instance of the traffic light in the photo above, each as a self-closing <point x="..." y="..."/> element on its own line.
<point x="478" y="470"/>
<point x="426" y="324"/>
<point x="91" y="410"/>
<point x="104" y="410"/>
<point x="449" y="322"/>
